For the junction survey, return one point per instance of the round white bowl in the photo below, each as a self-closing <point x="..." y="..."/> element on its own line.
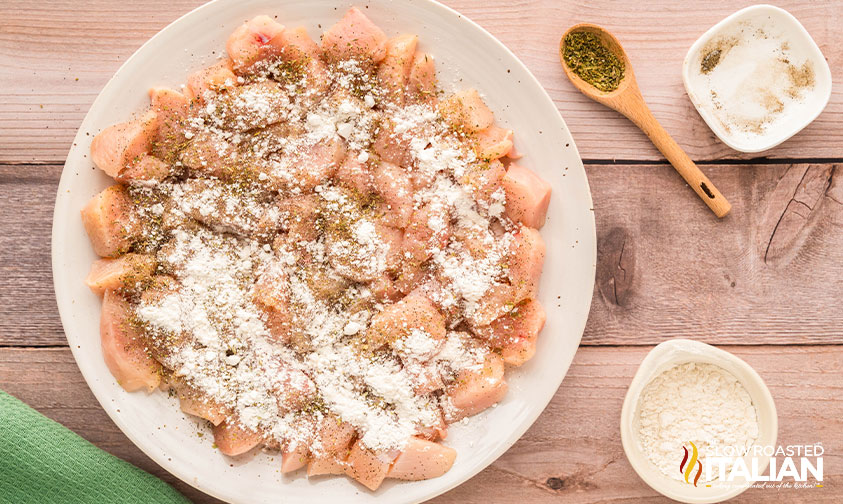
<point x="466" y="56"/>
<point x="795" y="116"/>
<point x="663" y="357"/>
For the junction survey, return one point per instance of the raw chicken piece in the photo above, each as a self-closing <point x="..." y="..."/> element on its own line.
<point x="126" y="271"/>
<point x="497" y="301"/>
<point x="303" y="57"/>
<point x="475" y="390"/>
<point x="421" y="84"/>
<point x="394" y="70"/>
<point x="354" y="37"/>
<point x="270" y="295"/>
<point x="398" y="320"/>
<point x="493" y="143"/>
<point x="198" y="404"/>
<point x="147" y="167"/>
<point x="355" y="174"/>
<point x="293" y="457"/>
<point x="527" y="196"/>
<point x="367" y="466"/>
<point x="466" y="111"/>
<point x="395" y="188"/>
<point x="422" y="459"/>
<point x="252" y="106"/>
<point x="307" y="169"/>
<point x="392" y="147"/>
<point x="526" y="260"/>
<point x="233" y="440"/>
<point x="214" y="78"/>
<point x="111" y="222"/>
<point x="319" y="466"/>
<point x="429" y="228"/>
<point x="254" y="41"/>
<point x="172" y="108"/>
<point x="484" y="180"/>
<point x="516" y="332"/>
<point x="124" y="348"/>
<point x="298" y="217"/>
<point x="120" y="145"/>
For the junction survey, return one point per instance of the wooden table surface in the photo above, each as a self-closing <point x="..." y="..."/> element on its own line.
<point x="765" y="283"/>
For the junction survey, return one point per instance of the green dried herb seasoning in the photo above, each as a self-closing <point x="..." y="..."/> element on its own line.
<point x="592" y="61"/>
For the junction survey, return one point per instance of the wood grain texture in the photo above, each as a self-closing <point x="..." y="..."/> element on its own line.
<point x="771" y="272"/>
<point x="572" y="453"/>
<point x="55" y="58"/>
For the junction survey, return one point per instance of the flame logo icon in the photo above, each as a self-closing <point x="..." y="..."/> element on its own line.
<point x="686" y="467"/>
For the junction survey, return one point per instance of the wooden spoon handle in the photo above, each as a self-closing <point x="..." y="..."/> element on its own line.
<point x="701" y="185"/>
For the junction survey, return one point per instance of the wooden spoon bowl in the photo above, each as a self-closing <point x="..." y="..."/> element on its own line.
<point x="627" y="100"/>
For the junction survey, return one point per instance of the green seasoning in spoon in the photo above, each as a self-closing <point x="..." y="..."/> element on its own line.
<point x="592" y="61"/>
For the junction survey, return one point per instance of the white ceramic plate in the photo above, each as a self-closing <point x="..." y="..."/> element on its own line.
<point x="463" y="51"/>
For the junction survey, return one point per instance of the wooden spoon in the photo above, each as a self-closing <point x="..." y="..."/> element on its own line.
<point x="627" y="100"/>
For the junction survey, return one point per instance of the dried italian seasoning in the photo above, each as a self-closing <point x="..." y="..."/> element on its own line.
<point x="592" y="61"/>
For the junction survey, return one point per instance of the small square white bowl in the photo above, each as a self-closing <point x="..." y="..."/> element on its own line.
<point x="795" y="116"/>
<point x="673" y="353"/>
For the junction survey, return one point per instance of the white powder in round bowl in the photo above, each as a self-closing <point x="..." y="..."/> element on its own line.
<point x="696" y="403"/>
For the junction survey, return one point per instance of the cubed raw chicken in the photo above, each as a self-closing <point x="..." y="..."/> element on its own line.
<point x="214" y="78"/>
<point x="206" y="154"/>
<point x="125" y="272"/>
<point x="525" y="262"/>
<point x="367" y="466"/>
<point x="516" y="332"/>
<point x="232" y="439"/>
<point x="111" y="221"/>
<point x="303" y="57"/>
<point x="172" y="108"/>
<point x="383" y="289"/>
<point x="412" y="275"/>
<point x="354" y="37"/>
<point x="252" y="106"/>
<point x="475" y="390"/>
<point x="307" y="169"/>
<point x="395" y="188"/>
<point x="527" y="196"/>
<point x="120" y="145"/>
<point x="254" y="41"/>
<point x="484" y="180"/>
<point x="466" y="111"/>
<point x="198" y="404"/>
<point x="124" y="347"/>
<point x="299" y="215"/>
<point x="319" y="466"/>
<point x="394" y="70"/>
<point x="294" y="457"/>
<point x="270" y="294"/>
<point x="398" y="320"/>
<point x="392" y="147"/>
<point x="148" y="167"/>
<point x="422" y="459"/>
<point x="392" y="240"/>
<point x="493" y="143"/>
<point x="496" y="302"/>
<point x="429" y="228"/>
<point x="334" y="436"/>
<point x="293" y="389"/>
<point x="421" y="83"/>
<point x="355" y="174"/>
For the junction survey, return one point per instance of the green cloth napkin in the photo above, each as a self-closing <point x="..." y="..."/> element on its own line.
<point x="43" y="462"/>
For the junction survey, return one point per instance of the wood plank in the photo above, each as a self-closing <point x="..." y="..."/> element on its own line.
<point x="771" y="272"/>
<point x="572" y="453"/>
<point x="54" y="59"/>
<point x="28" y="311"/>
